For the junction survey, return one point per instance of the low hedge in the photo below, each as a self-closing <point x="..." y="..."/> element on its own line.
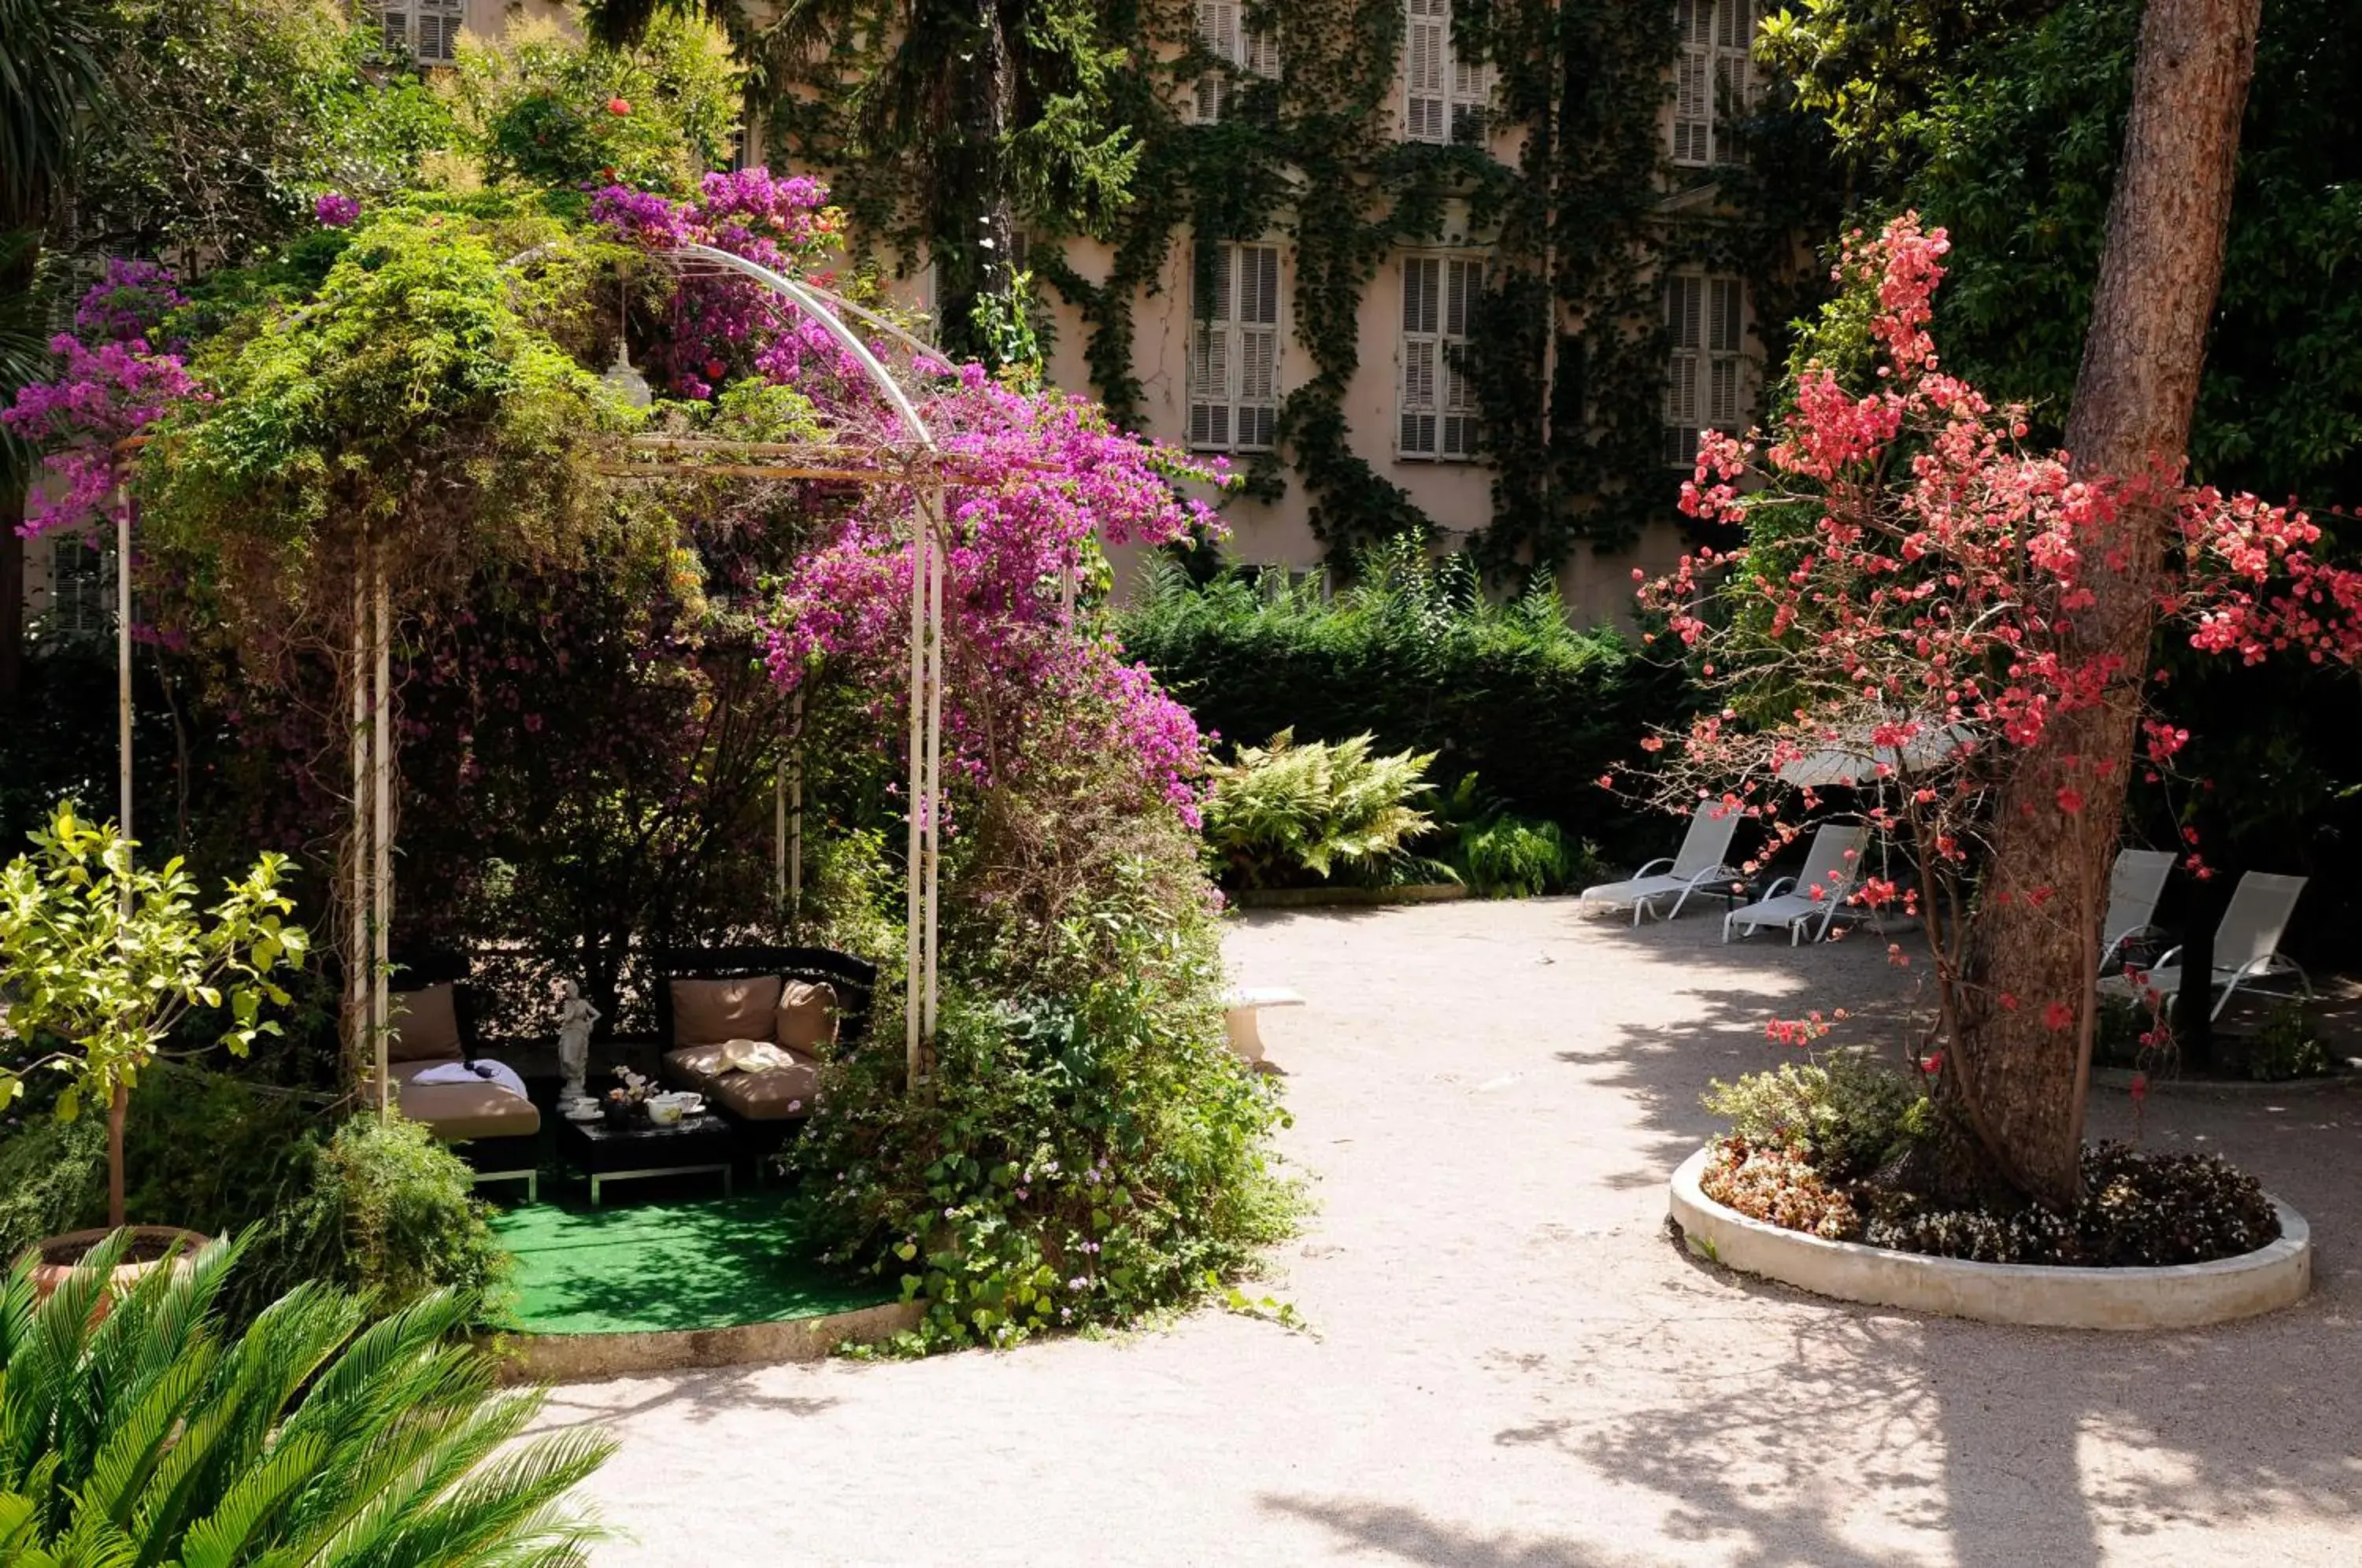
<point x="1417" y="656"/>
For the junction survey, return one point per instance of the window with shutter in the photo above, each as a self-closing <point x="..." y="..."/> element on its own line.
<point x="1438" y="417"/>
<point x="1713" y="78"/>
<point x="425" y="30"/>
<point x="1705" y="373"/>
<point x="1444" y="97"/>
<point x="1250" y="51"/>
<point x="1234" y="348"/>
<point x="81" y="588"/>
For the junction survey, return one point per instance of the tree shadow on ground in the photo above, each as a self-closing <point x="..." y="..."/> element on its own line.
<point x="1989" y="1446"/>
<point x="1413" y="1537"/>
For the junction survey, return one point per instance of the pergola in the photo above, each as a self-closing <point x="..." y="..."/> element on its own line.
<point x="912" y="458"/>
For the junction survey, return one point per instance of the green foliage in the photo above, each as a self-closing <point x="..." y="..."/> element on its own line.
<point x="1286" y="814"/>
<point x="380" y="1211"/>
<point x="535" y="106"/>
<point x="2285" y="1047"/>
<point x="1087" y="1151"/>
<point x="1843" y="1112"/>
<point x="100" y="959"/>
<point x="1417" y="656"/>
<point x="389" y="1213"/>
<point x="1517" y="857"/>
<point x="227" y="117"/>
<point x="153" y="1435"/>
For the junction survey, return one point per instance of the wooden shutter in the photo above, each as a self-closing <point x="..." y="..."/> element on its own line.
<point x="1259" y="52"/>
<point x="1209" y="351"/>
<point x="1456" y="427"/>
<point x="436" y="24"/>
<point x="1427" y="50"/>
<point x="1258" y="329"/>
<point x="1421" y="355"/>
<point x="395" y="23"/>
<point x="1472" y="95"/>
<point x="1218" y="30"/>
<point x="1693" y="83"/>
<point x="1684" y="325"/>
<point x="1722" y="350"/>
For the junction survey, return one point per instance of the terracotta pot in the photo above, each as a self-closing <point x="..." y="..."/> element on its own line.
<point x="60" y="1255"/>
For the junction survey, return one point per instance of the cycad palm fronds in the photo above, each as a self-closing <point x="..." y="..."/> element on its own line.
<point x="1321" y="809"/>
<point x="147" y="1438"/>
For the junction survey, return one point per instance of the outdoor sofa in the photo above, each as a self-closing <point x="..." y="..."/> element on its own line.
<point x="429" y="1030"/>
<point x="713" y="1004"/>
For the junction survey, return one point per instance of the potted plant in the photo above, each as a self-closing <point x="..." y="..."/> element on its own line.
<point x="100" y="962"/>
<point x="628" y="1102"/>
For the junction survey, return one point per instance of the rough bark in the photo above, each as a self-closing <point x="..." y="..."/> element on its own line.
<point x="2020" y="1081"/>
<point x="118" y="1107"/>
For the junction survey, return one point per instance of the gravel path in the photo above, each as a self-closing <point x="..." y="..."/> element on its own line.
<point x="1511" y="1366"/>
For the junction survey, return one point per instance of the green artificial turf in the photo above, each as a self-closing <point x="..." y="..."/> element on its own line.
<point x="642" y="1268"/>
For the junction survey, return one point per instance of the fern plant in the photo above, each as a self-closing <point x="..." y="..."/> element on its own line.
<point x="143" y="1434"/>
<point x="1287" y="813"/>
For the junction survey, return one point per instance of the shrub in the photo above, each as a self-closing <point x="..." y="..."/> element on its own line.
<point x="1779" y="1186"/>
<point x="1518" y="857"/>
<point x="2285" y="1047"/>
<point x="1417" y="656"/>
<point x="1087" y="1151"/>
<point x="1843" y="1113"/>
<point x="1286" y="815"/>
<point x="148" y="1436"/>
<point x="379" y="1209"/>
<point x="389" y="1213"/>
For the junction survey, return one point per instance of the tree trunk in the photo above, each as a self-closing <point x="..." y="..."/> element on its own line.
<point x="972" y="231"/>
<point x="12" y="595"/>
<point x="2021" y="1076"/>
<point x="117" y="1106"/>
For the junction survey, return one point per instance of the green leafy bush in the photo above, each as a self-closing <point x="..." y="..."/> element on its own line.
<point x="1517" y="857"/>
<point x="1416" y="655"/>
<point x="1844" y="1113"/>
<point x="381" y="1209"/>
<point x="1087" y="1151"/>
<point x="153" y="1435"/>
<point x="543" y="106"/>
<point x="1286" y="815"/>
<point x="2285" y="1047"/>
<point x="388" y="1212"/>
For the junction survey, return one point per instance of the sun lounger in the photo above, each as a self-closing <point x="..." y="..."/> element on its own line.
<point x="1699" y="865"/>
<point x="1809" y="900"/>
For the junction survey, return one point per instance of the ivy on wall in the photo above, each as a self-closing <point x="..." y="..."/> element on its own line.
<point x="1567" y="345"/>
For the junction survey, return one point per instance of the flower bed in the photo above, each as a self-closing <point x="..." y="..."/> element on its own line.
<point x="2140" y="1209"/>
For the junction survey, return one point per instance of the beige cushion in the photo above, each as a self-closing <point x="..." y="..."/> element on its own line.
<point x="455" y="1112"/>
<point x="706" y="1013"/>
<point x="772" y="1094"/>
<point x="806" y="1018"/>
<point x="425" y="1026"/>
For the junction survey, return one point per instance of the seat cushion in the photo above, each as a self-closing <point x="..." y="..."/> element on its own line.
<point x="456" y="1112"/>
<point x="805" y="1019"/>
<point x="425" y="1026"/>
<point x="768" y="1094"/>
<point x="706" y="1013"/>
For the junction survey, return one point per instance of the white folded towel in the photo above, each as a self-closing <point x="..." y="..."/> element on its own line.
<point x="482" y="1070"/>
<point x="750" y="1057"/>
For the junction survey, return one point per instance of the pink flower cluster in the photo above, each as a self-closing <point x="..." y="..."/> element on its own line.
<point x="1037" y="478"/>
<point x="1926" y="623"/>
<point x="106" y="388"/>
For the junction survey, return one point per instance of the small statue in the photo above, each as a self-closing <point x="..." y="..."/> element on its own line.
<point x="575" y="1017"/>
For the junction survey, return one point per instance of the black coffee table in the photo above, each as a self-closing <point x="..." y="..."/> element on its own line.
<point x="692" y="1146"/>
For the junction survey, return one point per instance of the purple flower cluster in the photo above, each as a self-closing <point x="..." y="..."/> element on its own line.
<point x="335" y="209"/>
<point x="106" y="390"/>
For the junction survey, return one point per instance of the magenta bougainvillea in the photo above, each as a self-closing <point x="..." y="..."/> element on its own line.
<point x="1037" y="477"/>
<point x="1908" y="602"/>
<point x="111" y="384"/>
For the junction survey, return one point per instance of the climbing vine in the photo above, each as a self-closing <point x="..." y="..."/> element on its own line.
<point x="1566" y="346"/>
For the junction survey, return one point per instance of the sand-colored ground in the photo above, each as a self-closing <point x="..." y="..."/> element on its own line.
<point x="1512" y="1366"/>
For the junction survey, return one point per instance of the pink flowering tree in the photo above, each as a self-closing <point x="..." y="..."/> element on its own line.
<point x="1907" y="615"/>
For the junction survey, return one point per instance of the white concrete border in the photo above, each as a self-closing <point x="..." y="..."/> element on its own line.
<point x="2186" y="1295"/>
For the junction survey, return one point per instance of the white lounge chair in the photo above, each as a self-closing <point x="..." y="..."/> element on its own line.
<point x="1833" y="868"/>
<point x="2135" y="884"/>
<point x="1704" y="849"/>
<point x="2246" y="944"/>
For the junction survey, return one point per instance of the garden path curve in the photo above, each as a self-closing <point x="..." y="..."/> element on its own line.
<point x="1513" y="1366"/>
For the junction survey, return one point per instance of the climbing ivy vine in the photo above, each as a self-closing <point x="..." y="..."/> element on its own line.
<point x="1567" y="345"/>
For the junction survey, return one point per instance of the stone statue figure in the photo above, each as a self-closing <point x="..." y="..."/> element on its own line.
<point x="575" y="1017"/>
